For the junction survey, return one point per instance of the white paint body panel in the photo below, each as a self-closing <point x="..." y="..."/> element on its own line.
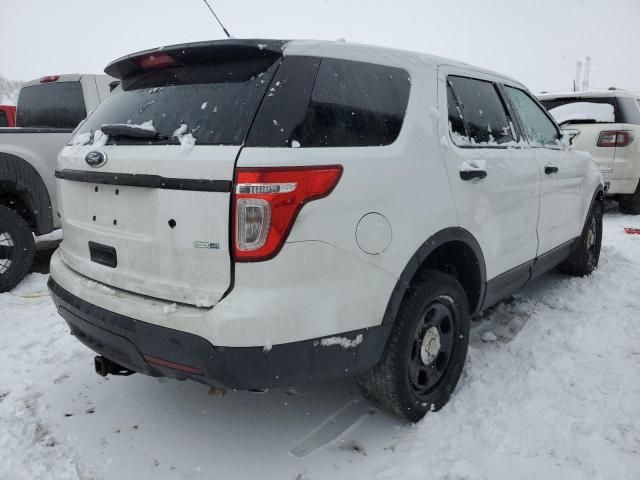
<point x="153" y="258"/>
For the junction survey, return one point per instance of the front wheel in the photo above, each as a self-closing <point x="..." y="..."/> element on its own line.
<point x="586" y="253"/>
<point x="17" y="248"/>
<point x="426" y="350"/>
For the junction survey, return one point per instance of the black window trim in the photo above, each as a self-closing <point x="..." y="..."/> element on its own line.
<point x="544" y="110"/>
<point x="505" y="104"/>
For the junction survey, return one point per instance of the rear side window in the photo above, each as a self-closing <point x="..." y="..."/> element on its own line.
<point x="355" y="104"/>
<point x="534" y="121"/>
<point x="315" y="102"/>
<point x="482" y="111"/>
<point x="51" y="105"/>
<point x="214" y="102"/>
<point x="3" y="120"/>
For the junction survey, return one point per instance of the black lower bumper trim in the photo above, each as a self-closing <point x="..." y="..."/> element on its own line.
<point x="127" y="341"/>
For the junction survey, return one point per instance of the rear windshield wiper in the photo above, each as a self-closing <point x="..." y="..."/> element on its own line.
<point x="131" y="131"/>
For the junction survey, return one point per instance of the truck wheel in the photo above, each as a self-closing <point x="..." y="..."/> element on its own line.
<point x="17" y="248"/>
<point x="426" y="350"/>
<point x="586" y="254"/>
<point x="630" y="204"/>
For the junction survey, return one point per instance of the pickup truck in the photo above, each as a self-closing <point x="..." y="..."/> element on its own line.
<point x="7" y="116"/>
<point x="48" y="111"/>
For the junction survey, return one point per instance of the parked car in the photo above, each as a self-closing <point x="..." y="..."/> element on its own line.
<point x="48" y="111"/>
<point x="608" y="123"/>
<point x="7" y="116"/>
<point x="256" y="214"/>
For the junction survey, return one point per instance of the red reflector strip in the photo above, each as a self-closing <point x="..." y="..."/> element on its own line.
<point x="632" y="231"/>
<point x="175" y="366"/>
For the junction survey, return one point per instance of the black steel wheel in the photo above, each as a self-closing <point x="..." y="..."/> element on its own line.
<point x="426" y="350"/>
<point x="17" y="247"/>
<point x="432" y="347"/>
<point x="586" y="253"/>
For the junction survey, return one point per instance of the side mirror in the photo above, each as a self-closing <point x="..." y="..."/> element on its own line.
<point x="568" y="134"/>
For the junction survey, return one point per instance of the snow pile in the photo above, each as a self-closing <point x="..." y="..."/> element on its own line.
<point x="550" y="391"/>
<point x="82" y="139"/>
<point x="187" y="140"/>
<point x="472" y="165"/>
<point x="584" y="111"/>
<point x="169" y="309"/>
<point x="343" y="342"/>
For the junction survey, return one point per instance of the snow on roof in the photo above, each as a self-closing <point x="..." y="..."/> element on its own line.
<point x="67" y="77"/>
<point x="377" y="54"/>
<point x="588" y="94"/>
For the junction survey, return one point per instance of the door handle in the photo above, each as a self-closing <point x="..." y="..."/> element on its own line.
<point x="549" y="169"/>
<point x="471" y="174"/>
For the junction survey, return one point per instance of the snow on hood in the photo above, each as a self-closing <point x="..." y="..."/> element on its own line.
<point x="598" y="112"/>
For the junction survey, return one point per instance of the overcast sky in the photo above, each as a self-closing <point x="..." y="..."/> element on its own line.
<point x="535" y="41"/>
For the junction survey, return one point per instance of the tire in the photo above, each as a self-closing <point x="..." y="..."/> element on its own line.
<point x="630" y="204"/>
<point x="416" y="374"/>
<point x="586" y="254"/>
<point x="17" y="248"/>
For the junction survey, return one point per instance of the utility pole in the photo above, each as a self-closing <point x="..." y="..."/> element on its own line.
<point x="576" y="82"/>
<point x="585" y="82"/>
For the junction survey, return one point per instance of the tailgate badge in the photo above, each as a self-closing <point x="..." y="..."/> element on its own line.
<point x="213" y="245"/>
<point x="96" y="159"/>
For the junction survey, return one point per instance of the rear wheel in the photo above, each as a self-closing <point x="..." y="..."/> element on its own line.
<point x="426" y="350"/>
<point x="630" y="204"/>
<point x="17" y="248"/>
<point x="586" y="254"/>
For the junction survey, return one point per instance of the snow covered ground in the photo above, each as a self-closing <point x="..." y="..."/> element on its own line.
<point x="551" y="390"/>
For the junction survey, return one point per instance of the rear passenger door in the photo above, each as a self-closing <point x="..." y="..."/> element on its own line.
<point x="494" y="177"/>
<point x="562" y="172"/>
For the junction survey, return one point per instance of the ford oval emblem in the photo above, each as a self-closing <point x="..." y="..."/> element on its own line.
<point x="96" y="159"/>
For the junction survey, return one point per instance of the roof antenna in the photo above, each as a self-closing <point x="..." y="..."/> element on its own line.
<point x="214" y="14"/>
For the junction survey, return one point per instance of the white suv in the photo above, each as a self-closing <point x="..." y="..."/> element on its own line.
<point x="257" y="213"/>
<point x="608" y="127"/>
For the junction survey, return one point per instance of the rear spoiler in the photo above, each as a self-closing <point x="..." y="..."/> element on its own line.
<point x="194" y="53"/>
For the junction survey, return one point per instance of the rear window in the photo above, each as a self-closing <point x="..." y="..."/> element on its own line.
<point x="624" y="110"/>
<point x="51" y="105"/>
<point x="3" y="120"/>
<point x="332" y="103"/>
<point x="214" y="102"/>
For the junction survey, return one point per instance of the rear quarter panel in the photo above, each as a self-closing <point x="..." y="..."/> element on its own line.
<point x="405" y="182"/>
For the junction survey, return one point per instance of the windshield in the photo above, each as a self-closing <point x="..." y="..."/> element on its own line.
<point x="215" y="103"/>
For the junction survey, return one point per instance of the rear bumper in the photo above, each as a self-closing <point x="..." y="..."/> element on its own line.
<point x="621" y="186"/>
<point x="131" y="342"/>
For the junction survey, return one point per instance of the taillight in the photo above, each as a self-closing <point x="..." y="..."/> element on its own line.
<point x="615" y="138"/>
<point x="49" y="78"/>
<point x="267" y="201"/>
<point x="155" y="60"/>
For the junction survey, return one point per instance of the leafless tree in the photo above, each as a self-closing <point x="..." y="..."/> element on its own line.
<point x="9" y="90"/>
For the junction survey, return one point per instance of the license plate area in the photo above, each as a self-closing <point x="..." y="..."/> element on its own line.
<point x="103" y="254"/>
